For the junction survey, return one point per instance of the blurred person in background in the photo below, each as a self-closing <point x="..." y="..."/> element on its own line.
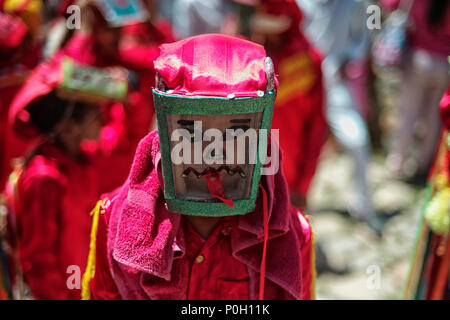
<point x="19" y="53"/>
<point x="108" y="37"/>
<point x="299" y="113"/>
<point x="98" y="43"/>
<point x="139" y="47"/>
<point x="338" y="29"/>
<point x="425" y="78"/>
<point x="50" y="194"/>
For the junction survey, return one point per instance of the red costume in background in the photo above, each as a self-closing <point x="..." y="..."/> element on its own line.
<point x="126" y="125"/>
<point x="13" y="73"/>
<point x="51" y="201"/>
<point x="299" y="108"/>
<point x="56" y="193"/>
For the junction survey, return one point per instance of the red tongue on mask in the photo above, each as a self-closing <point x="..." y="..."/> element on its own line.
<point x="216" y="189"/>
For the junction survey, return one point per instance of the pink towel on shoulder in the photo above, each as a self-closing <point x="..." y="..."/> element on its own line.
<point x="144" y="236"/>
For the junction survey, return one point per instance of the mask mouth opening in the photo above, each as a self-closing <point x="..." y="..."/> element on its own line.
<point x="225" y="145"/>
<point x="194" y="183"/>
<point x="210" y="170"/>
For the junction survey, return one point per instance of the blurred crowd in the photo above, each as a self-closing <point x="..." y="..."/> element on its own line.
<point x="327" y="58"/>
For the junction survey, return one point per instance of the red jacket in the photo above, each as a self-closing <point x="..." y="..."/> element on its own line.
<point x="144" y="251"/>
<point x="54" y="196"/>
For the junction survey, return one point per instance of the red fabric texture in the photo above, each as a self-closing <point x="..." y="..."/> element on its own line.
<point x="299" y="112"/>
<point x="12" y="31"/>
<point x="55" y="195"/>
<point x="213" y="65"/>
<point x="45" y="78"/>
<point x="11" y="145"/>
<point x="436" y="268"/>
<point x="146" y="251"/>
<point x="208" y="279"/>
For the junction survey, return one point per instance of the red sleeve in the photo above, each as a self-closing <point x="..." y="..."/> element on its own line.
<point x="39" y="224"/>
<point x="102" y="286"/>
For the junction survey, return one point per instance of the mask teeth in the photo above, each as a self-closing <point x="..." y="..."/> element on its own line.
<point x="186" y="173"/>
<point x="230" y="172"/>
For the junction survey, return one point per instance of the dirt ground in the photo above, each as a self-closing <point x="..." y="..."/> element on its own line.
<point x="361" y="264"/>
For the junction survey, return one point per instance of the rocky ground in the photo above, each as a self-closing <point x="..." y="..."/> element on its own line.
<point x="363" y="265"/>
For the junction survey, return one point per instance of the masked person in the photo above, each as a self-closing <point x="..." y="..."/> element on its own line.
<point x="49" y="195"/>
<point x="429" y="271"/>
<point x="186" y="224"/>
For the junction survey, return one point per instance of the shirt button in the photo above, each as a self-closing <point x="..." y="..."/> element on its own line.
<point x="226" y="231"/>
<point x="199" y="258"/>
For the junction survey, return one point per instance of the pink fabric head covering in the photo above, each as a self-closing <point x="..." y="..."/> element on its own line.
<point x="213" y="65"/>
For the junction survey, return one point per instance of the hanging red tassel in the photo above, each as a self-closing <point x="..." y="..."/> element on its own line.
<point x="266" y="238"/>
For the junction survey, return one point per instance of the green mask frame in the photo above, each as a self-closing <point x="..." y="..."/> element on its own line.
<point x="187" y="105"/>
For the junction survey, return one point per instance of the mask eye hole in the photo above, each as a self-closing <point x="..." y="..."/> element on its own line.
<point x="236" y="131"/>
<point x="189" y="126"/>
<point x="191" y="133"/>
